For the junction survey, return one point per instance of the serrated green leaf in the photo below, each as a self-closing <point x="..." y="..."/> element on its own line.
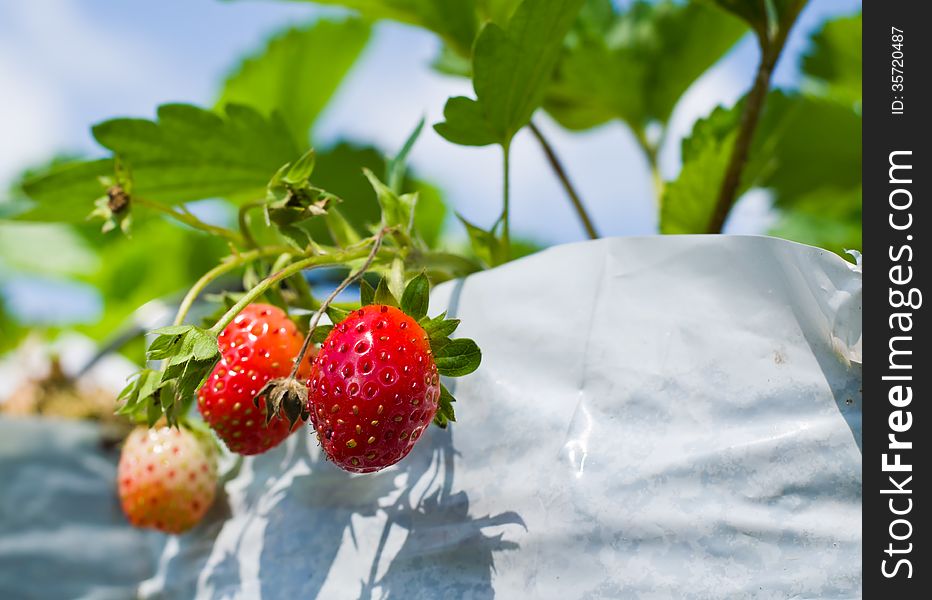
<point x="339" y="170"/>
<point x="383" y="295"/>
<point x="637" y="65"/>
<point x="298" y="72"/>
<point x="396" y="167"/>
<point x="66" y="192"/>
<point x="397" y="211"/>
<point x="190" y="153"/>
<point x="416" y="297"/>
<point x="511" y="70"/>
<point x="457" y="358"/>
<point x="795" y="132"/>
<point x="833" y="62"/>
<point x="455" y="21"/>
<point x="487" y="247"/>
<point x="366" y="293"/>
<point x="173" y="330"/>
<point x="689" y="201"/>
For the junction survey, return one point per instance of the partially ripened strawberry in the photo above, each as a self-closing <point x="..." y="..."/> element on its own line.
<point x="260" y="344"/>
<point x="167" y="478"/>
<point x="373" y="388"/>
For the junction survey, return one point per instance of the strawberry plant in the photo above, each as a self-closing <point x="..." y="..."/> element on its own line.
<point x="256" y="232"/>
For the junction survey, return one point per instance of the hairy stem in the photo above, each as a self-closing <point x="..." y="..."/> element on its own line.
<point x="190" y="220"/>
<point x="218" y="271"/>
<point x="750" y="116"/>
<point x="244" y="223"/>
<point x="506" y="230"/>
<point x="652" y="153"/>
<point x="295" y="267"/>
<point x="376" y="244"/>
<point x="560" y="172"/>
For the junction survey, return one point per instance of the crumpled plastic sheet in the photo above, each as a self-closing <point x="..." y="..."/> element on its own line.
<point x="62" y="533"/>
<point x="663" y="417"/>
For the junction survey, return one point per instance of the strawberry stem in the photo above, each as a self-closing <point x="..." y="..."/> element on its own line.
<point x="221" y="269"/>
<point x="185" y="216"/>
<point x="376" y="244"/>
<point x="295" y="267"/>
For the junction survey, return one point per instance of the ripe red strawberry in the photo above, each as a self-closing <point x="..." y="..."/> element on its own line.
<point x="167" y="478"/>
<point x="260" y="344"/>
<point x="373" y="388"/>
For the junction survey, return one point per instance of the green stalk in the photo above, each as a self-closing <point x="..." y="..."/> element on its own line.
<point x="244" y="224"/>
<point x="506" y="232"/>
<point x="221" y="269"/>
<point x="557" y="166"/>
<point x="190" y="220"/>
<point x="295" y="267"/>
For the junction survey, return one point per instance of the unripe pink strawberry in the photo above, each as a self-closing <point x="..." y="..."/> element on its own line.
<point x="167" y="478"/>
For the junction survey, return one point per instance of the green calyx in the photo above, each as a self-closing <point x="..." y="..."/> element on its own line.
<point x="453" y="357"/>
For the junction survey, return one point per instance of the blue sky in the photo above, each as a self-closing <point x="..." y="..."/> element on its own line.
<point x="65" y="64"/>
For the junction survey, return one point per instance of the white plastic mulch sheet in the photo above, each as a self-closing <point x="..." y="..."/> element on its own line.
<point x="667" y="417"/>
<point x="62" y="533"/>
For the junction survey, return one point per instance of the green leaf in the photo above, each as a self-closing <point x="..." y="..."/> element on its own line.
<point x="833" y="62"/>
<point x="487" y="247"/>
<point x="366" y="293"/>
<point x="453" y="20"/>
<point x="320" y="333"/>
<point x="397" y="211"/>
<point x="511" y="70"/>
<point x="827" y="217"/>
<point x="396" y="167"/>
<point x="299" y="172"/>
<point x="189" y="354"/>
<point x="416" y="297"/>
<point x="497" y="11"/>
<point x="337" y="314"/>
<point x="66" y="192"/>
<point x="135" y="271"/>
<point x="439" y="327"/>
<point x="46" y="249"/>
<point x="340" y="229"/>
<point x="753" y="12"/>
<point x="768" y="18"/>
<point x="465" y="123"/>
<point x="445" y="412"/>
<point x="383" y="295"/>
<point x="795" y="132"/>
<point x="339" y="170"/>
<point x="298" y="72"/>
<point x="689" y="201"/>
<point x="457" y="358"/>
<point x="816" y="144"/>
<point x="190" y="153"/>
<point x="639" y="66"/>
